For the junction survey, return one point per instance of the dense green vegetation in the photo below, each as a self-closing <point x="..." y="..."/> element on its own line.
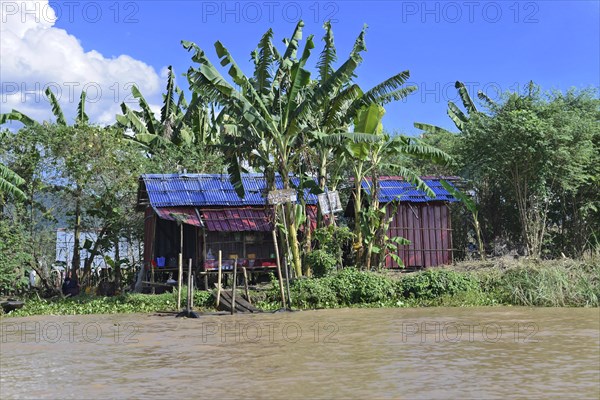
<point x="532" y="161"/>
<point x="560" y="283"/>
<point x="564" y="283"/>
<point x="126" y="303"/>
<point x="530" y="165"/>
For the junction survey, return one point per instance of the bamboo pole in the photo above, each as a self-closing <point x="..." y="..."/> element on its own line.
<point x="152" y="277"/>
<point x="219" y="280"/>
<point x="286" y="263"/>
<point x="180" y="277"/>
<point x="233" y="286"/>
<point x="279" y="268"/>
<point x="189" y="287"/>
<point x="246" y="285"/>
<point x="193" y="285"/>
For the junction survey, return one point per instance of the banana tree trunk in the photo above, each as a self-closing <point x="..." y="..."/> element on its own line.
<point x="291" y="224"/>
<point x="372" y="227"/>
<point x="358" y="241"/>
<point x="293" y="235"/>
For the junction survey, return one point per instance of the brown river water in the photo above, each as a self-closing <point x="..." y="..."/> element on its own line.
<point x="432" y="353"/>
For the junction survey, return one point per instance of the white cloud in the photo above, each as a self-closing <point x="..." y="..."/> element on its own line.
<point x="36" y="55"/>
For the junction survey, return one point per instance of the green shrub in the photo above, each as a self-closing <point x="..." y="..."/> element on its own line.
<point x="14" y="257"/>
<point x="352" y="286"/>
<point x="126" y="303"/>
<point x="321" y="263"/>
<point x="436" y="283"/>
<point x="313" y="293"/>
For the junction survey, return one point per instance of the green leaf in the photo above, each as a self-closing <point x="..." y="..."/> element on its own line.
<point x="464" y="95"/>
<point x="82" y="118"/>
<point x="368" y="120"/>
<point x="466" y="200"/>
<point x="56" y="110"/>
<point x="10" y="182"/>
<point x="149" y="118"/>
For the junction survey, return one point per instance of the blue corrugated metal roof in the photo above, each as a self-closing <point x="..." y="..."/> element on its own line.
<point x="396" y="188"/>
<point x="168" y="190"/>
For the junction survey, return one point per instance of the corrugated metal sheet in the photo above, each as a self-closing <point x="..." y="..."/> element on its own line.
<point x="428" y="228"/>
<point x="394" y="188"/>
<point x="169" y="190"/>
<point x="237" y="220"/>
<point x="187" y="214"/>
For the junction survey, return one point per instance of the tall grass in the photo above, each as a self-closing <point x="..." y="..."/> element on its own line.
<point x="551" y="284"/>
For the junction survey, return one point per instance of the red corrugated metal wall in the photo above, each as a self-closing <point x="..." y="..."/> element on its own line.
<point x="428" y="227"/>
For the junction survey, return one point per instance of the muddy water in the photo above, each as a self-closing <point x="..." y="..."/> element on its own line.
<point x="349" y="353"/>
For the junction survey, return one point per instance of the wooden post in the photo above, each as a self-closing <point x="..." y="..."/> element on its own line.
<point x="233" y="286"/>
<point x="279" y="268"/>
<point x="204" y="258"/>
<point x="152" y="278"/>
<point x="287" y="264"/>
<point x="189" y="287"/>
<point x="219" y="280"/>
<point x="246" y="285"/>
<point x="179" y="279"/>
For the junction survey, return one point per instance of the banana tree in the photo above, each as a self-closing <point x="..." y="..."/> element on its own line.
<point x="268" y="129"/>
<point x="336" y="109"/>
<point x="180" y="123"/>
<point x="373" y="153"/>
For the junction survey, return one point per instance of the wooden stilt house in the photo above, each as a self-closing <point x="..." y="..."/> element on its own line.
<point x="200" y="215"/>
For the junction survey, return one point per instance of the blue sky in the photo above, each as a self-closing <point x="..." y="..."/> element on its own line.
<point x="489" y="45"/>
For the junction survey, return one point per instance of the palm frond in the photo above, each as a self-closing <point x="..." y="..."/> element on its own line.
<point x="169" y="101"/>
<point x="15" y="115"/>
<point x="130" y="120"/>
<point x="457" y="116"/>
<point x="264" y="57"/>
<point x="328" y="55"/>
<point x="464" y="96"/>
<point x="82" y="117"/>
<point x="431" y="128"/>
<point x="484" y="97"/>
<point x="10" y="182"/>
<point x="56" y="110"/>
<point x="149" y="118"/>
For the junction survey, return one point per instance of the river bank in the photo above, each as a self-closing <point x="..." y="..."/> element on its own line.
<point x="555" y="283"/>
<point x="457" y="352"/>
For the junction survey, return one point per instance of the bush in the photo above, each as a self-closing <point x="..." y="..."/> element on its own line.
<point x="313" y="293"/>
<point x="330" y="242"/>
<point x="354" y="287"/>
<point x="321" y="263"/>
<point x="126" y="303"/>
<point x="436" y="283"/>
<point x="13" y="258"/>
